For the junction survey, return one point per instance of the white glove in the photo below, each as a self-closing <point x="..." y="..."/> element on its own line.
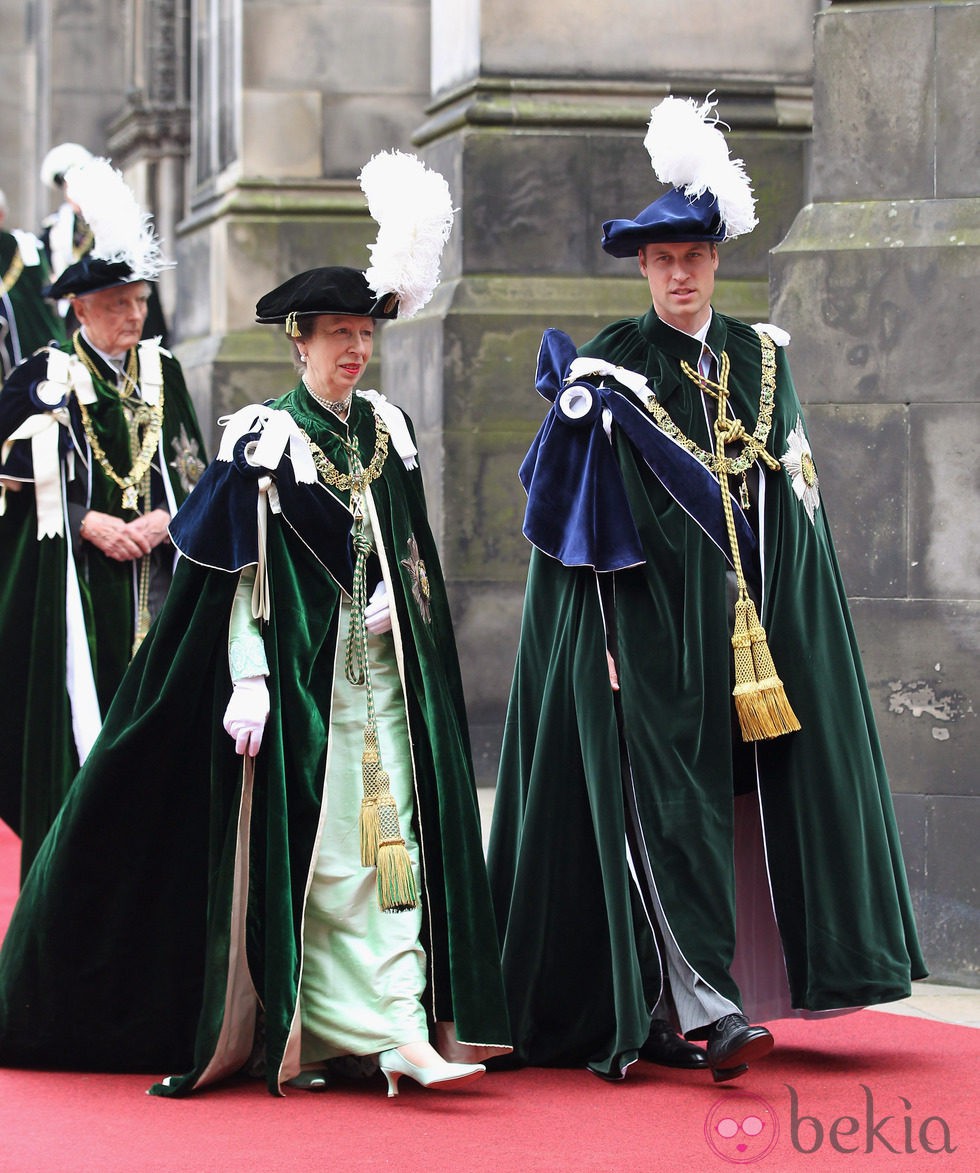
<point x="247" y="713"/>
<point x="377" y="614"/>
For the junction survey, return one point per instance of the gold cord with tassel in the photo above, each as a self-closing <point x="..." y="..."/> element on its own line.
<point x="382" y="843"/>
<point x="761" y="703"/>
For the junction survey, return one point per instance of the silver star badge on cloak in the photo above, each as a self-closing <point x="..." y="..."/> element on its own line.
<point x="187" y="462"/>
<point x="420" y="580"/>
<point x="798" y="462"/>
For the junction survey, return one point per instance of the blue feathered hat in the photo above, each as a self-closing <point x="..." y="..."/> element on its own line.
<point x="710" y="197"/>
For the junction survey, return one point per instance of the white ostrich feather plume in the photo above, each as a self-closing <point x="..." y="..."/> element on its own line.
<point x="689" y="152"/>
<point x="413" y="209"/>
<point x="60" y="158"/>
<point x="121" y="230"/>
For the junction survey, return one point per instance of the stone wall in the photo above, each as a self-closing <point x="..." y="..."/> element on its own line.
<point x="876" y="280"/>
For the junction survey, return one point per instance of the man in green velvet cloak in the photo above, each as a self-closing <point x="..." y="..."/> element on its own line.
<point x="693" y="821"/>
<point x="27" y="319"/>
<point x="272" y="859"/>
<point x="100" y="446"/>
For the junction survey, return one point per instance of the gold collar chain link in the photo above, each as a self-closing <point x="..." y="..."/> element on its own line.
<point x="359" y="477"/>
<point x="148" y="416"/>
<point x="729" y="431"/>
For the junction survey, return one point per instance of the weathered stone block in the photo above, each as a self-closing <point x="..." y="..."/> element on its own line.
<point x="713" y="37"/>
<point x="860" y="453"/>
<point x="523" y="205"/>
<point x="879" y="299"/>
<point x="318" y="43"/>
<point x="282" y="133"/>
<point x="944" y="519"/>
<point x="938" y="836"/>
<point x="920" y="661"/>
<point x="874" y="119"/>
<point x="957" y="142"/>
<point x="487" y="620"/>
<point x="356" y="126"/>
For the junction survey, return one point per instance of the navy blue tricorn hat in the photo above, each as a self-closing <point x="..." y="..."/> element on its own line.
<point x="709" y="195"/>
<point x="333" y="289"/>
<point x="673" y="218"/>
<point x="89" y="275"/>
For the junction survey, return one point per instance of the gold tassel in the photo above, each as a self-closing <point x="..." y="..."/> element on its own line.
<point x="761" y="703"/>
<point x="382" y="845"/>
<point x="375" y="781"/>
<point x="396" y="880"/>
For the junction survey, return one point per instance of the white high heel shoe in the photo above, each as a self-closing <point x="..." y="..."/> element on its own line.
<point x="443" y="1075"/>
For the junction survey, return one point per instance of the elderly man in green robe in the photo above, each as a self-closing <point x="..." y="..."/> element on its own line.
<point x="100" y="446"/>
<point x="693" y="820"/>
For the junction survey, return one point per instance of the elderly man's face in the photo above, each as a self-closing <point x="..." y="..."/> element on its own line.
<point x="113" y="318"/>
<point x="682" y="280"/>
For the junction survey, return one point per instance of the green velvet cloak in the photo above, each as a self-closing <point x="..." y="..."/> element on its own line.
<point x="122" y="953"/>
<point x="580" y="966"/>
<point x="31" y="321"/>
<point x="40" y="758"/>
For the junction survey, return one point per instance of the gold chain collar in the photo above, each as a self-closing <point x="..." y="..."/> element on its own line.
<point x="130" y="374"/>
<point x="730" y="430"/>
<point x="358" y="479"/>
<point x="14" y="270"/>
<point x="149" y="416"/>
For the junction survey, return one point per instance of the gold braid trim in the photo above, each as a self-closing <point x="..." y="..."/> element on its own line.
<point x="14" y="270"/>
<point x="382" y="844"/>
<point x="761" y="703"/>
<point x="754" y="446"/>
<point x="150" y="415"/>
<point x="358" y="480"/>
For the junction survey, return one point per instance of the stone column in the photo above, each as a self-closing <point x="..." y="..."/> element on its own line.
<point x="537" y="121"/>
<point x="289" y="101"/>
<point x="877" y="282"/>
<point x="73" y="67"/>
<point x="149" y="139"/>
<point x="18" y="68"/>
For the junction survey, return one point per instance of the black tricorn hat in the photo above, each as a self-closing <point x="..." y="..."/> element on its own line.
<point x="89" y="275"/>
<point x="333" y="289"/>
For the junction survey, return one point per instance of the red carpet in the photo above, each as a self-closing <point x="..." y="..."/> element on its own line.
<point x="867" y="1092"/>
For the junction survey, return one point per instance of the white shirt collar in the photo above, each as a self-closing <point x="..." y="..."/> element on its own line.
<point x="116" y="362"/>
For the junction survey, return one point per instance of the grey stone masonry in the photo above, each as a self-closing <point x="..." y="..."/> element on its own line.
<point x="877" y="281"/>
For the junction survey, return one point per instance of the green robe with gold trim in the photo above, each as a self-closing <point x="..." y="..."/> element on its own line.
<point x="581" y="968"/>
<point x="41" y="753"/>
<point x="27" y="320"/>
<point x="166" y="905"/>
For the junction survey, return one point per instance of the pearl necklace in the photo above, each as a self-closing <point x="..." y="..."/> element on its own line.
<point x="338" y="407"/>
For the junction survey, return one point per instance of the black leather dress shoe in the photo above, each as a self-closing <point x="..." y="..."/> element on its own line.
<point x="733" y="1044"/>
<point x="668" y="1049"/>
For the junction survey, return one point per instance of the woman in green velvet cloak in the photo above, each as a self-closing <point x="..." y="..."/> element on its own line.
<point x="311" y="886"/>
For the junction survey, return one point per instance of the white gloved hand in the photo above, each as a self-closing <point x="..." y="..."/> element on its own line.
<point x="377" y="614"/>
<point x="247" y="713"/>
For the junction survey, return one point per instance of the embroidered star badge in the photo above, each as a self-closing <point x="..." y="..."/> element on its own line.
<point x="187" y="462"/>
<point x="798" y="462"/>
<point x="420" y="579"/>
